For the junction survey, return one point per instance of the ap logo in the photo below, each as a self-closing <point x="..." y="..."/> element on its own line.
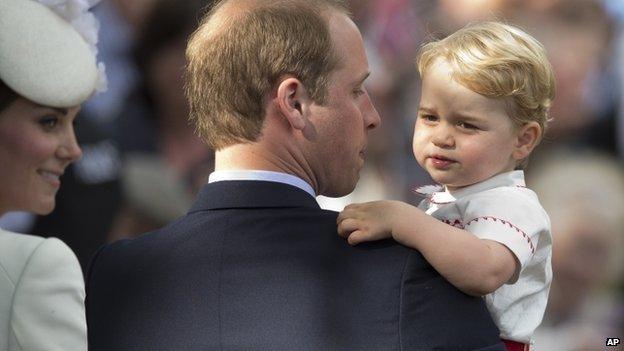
<point x="613" y="341"/>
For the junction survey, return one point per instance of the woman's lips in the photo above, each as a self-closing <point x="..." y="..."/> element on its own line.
<point x="51" y="177"/>
<point x="441" y="162"/>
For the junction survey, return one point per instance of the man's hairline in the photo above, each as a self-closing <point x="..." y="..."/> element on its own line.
<point x="326" y="11"/>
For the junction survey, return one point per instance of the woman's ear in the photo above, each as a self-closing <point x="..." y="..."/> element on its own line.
<point x="528" y="136"/>
<point x="291" y="96"/>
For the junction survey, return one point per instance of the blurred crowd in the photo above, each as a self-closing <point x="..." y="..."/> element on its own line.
<point x="143" y="164"/>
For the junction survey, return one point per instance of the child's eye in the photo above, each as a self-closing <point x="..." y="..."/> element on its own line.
<point x="429" y="118"/>
<point x="48" y="122"/>
<point x="467" y="125"/>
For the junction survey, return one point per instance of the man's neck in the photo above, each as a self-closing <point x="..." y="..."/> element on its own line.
<point x="253" y="156"/>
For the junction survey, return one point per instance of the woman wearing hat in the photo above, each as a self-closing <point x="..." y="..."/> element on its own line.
<point x="47" y="69"/>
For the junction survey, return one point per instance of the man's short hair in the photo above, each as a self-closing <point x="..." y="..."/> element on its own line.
<point x="498" y="61"/>
<point x="235" y="60"/>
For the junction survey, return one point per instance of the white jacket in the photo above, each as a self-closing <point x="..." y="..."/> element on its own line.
<point x="41" y="295"/>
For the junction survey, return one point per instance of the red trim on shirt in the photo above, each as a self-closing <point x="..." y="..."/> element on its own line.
<point x="520" y="231"/>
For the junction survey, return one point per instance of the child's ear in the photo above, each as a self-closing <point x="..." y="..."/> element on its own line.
<point x="291" y="96"/>
<point x="527" y="138"/>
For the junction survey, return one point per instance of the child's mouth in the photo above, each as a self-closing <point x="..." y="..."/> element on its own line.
<point x="441" y="162"/>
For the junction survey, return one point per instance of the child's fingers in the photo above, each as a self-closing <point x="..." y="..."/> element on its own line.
<point x="346" y="226"/>
<point x="351" y="207"/>
<point x="348" y="212"/>
<point x="356" y="237"/>
<point x="341" y="217"/>
<point x="352" y="210"/>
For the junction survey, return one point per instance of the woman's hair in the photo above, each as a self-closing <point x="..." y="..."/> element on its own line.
<point x="7" y="96"/>
<point x="498" y="61"/>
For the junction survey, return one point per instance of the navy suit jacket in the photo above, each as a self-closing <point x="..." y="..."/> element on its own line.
<point x="258" y="265"/>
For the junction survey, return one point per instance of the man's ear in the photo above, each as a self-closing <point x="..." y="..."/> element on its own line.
<point x="291" y="96"/>
<point x="528" y="136"/>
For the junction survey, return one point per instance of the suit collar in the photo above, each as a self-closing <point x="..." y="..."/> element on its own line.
<point x="251" y="194"/>
<point x="270" y="176"/>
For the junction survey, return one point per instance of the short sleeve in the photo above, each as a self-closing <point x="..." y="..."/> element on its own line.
<point x="510" y="216"/>
<point x="48" y="307"/>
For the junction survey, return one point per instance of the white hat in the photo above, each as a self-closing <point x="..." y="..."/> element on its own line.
<point x="43" y="57"/>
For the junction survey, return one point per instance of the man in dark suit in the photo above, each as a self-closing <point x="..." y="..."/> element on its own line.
<point x="276" y="87"/>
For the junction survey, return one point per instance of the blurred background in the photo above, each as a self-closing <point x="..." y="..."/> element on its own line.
<point x="142" y="163"/>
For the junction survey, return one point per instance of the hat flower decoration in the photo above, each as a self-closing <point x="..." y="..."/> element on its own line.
<point x="48" y="50"/>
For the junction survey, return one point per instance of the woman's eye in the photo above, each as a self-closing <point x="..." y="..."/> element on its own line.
<point x="358" y="92"/>
<point x="48" y="122"/>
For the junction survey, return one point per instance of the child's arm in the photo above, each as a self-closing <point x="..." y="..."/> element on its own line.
<point x="475" y="266"/>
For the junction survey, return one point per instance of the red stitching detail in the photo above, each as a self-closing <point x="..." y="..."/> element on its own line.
<point x="456" y="223"/>
<point x="528" y="239"/>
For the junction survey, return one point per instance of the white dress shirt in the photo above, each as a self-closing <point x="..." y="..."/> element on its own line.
<point x="502" y="209"/>
<point x="269" y="176"/>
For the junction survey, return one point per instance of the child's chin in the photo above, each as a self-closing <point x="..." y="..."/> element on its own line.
<point x="442" y="180"/>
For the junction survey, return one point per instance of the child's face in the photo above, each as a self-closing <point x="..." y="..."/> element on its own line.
<point x="461" y="137"/>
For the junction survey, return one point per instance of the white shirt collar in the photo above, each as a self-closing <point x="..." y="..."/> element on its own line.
<point x="441" y="195"/>
<point x="269" y="176"/>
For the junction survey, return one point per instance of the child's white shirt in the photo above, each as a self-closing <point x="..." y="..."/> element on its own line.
<point x="502" y="209"/>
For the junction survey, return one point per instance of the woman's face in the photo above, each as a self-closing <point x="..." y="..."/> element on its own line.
<point x="37" y="143"/>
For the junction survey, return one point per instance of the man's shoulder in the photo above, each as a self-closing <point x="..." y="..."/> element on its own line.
<point x="208" y="226"/>
<point x="209" y="233"/>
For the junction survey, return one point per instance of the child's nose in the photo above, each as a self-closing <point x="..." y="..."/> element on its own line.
<point x="443" y="137"/>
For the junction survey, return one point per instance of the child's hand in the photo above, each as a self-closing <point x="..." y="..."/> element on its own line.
<point x="367" y="221"/>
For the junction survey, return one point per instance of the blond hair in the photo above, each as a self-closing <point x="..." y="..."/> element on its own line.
<point x="235" y="60"/>
<point x="498" y="61"/>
